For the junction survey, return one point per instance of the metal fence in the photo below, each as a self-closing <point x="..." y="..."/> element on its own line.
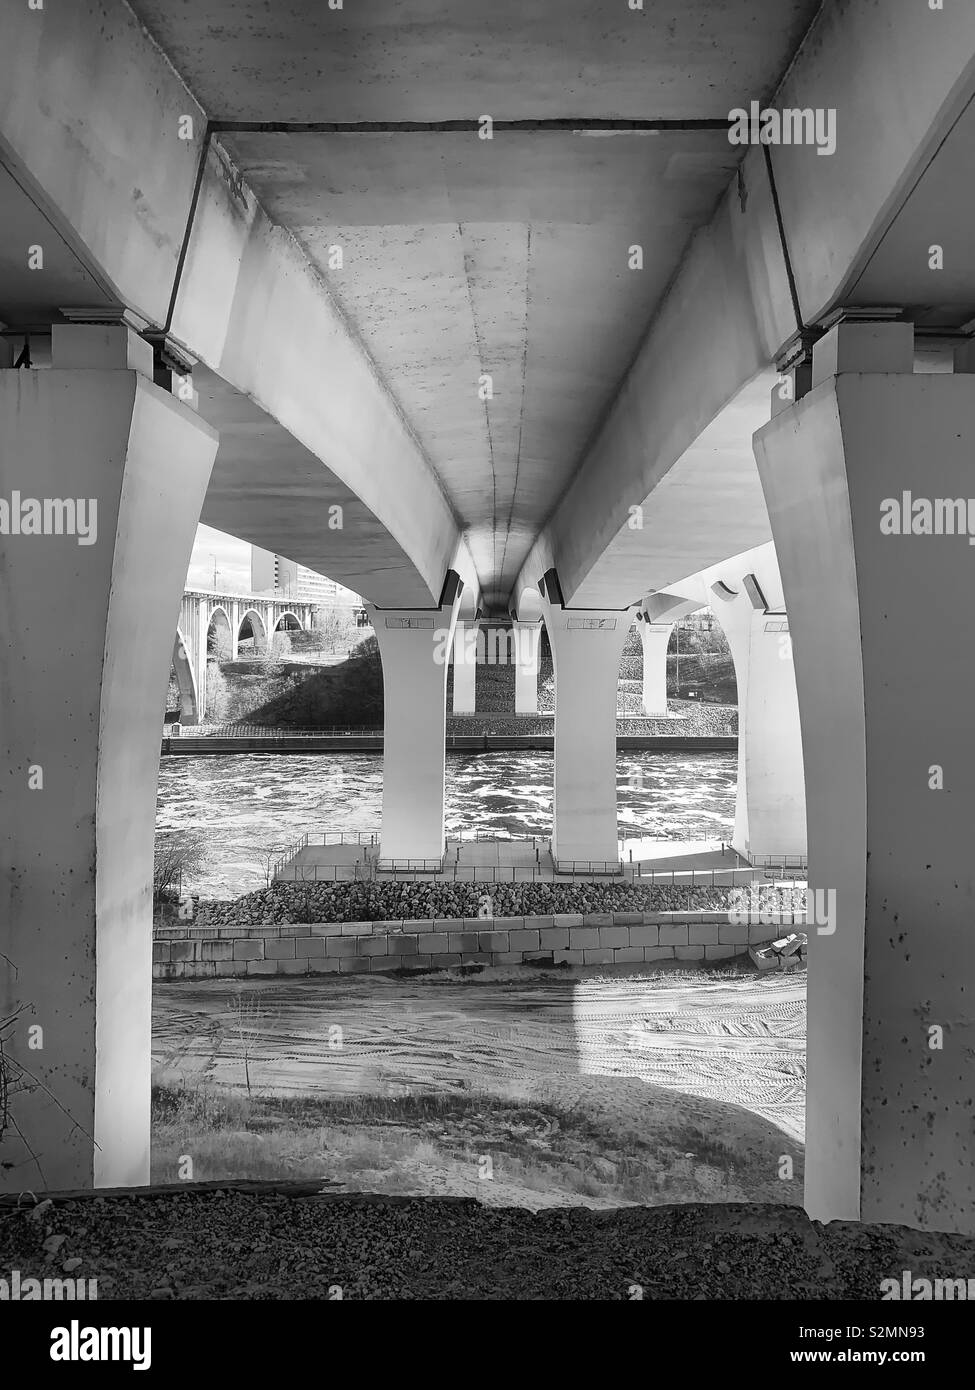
<point x="331" y="873"/>
<point x="450" y="868"/>
<point x="341" y="837"/>
<point x="277" y="732"/>
<point x="403" y="866"/>
<point x="491" y="837"/>
<point x="366" y="838"/>
<point x="641" y="872"/>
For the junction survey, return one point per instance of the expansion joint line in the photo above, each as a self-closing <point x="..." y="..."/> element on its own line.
<point x="190" y="219"/>
<point x="557" y="123"/>
<point x="783" y="239"/>
<point x="521" y="415"/>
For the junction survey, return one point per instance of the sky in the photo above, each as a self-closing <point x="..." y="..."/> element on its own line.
<point x="233" y="561"/>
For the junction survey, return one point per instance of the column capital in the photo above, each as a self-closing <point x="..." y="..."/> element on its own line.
<point x="112" y="346"/>
<point x="863" y="345"/>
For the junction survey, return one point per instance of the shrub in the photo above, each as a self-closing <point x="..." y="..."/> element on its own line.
<point x="178" y="852"/>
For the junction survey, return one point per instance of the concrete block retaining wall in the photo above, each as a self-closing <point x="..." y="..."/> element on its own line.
<point x="620" y="938"/>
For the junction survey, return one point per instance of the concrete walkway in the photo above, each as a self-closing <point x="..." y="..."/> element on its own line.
<point x="522" y="861"/>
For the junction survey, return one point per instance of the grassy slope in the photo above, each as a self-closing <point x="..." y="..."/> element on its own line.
<point x="532" y="1152"/>
<point x="348" y="694"/>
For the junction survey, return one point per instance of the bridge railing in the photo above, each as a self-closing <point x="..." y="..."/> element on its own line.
<point x="263" y="731"/>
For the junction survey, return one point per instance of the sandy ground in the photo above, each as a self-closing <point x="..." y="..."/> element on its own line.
<point x="740" y="1040"/>
<point x="640" y="1054"/>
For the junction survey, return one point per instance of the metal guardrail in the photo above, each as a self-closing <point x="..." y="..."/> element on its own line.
<point x="398" y="866"/>
<point x="471" y="873"/>
<point x="331" y="873"/>
<point x="450" y="868"/>
<point x="641" y="872"/>
<point x="365" y="838"/>
<point x="779" y="860"/>
<point x="342" y="837"/>
<point x="789" y="866"/>
<point x="491" y="837"/>
<point x="289" y="854"/>
<point x="589" y="866"/>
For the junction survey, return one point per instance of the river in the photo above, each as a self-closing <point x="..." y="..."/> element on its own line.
<point x="243" y="802"/>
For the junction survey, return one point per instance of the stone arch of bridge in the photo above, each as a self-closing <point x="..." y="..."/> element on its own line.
<point x="253" y="628"/>
<point x="189" y="703"/>
<point x="220" y="633"/>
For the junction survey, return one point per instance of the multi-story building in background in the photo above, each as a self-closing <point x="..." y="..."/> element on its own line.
<point x="278" y="577"/>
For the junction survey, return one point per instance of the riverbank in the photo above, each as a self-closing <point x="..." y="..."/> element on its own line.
<point x="212" y="745"/>
<point x="583" y="1086"/>
<point x="287" y="902"/>
<point x="254" y="807"/>
<point x="463" y="736"/>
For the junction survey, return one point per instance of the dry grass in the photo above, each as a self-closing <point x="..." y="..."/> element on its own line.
<point x="434" y="1143"/>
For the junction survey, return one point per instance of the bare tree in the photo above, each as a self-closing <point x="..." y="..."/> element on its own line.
<point x="267" y="854"/>
<point x="247" y="1016"/>
<point x="178" y="852"/>
<point x="337" y="628"/>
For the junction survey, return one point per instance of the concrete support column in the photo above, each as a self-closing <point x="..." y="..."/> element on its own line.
<point x="415" y="647"/>
<point x="186" y="683"/>
<point x="89" y="605"/>
<point x="770" y="804"/>
<point x="868" y="480"/>
<point x="202" y="627"/>
<point x="527" y="639"/>
<point x="656" y="639"/>
<point x="586" y="651"/>
<point x="465" y="667"/>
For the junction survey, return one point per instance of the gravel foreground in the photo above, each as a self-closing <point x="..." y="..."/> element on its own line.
<point x="289" y="1241"/>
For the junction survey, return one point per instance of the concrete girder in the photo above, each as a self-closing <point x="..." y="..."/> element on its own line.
<point x="251" y="307"/>
<point x="667" y="608"/>
<point x="730" y="312"/>
<point x="90" y="110"/>
<point x="90" y="122"/>
<point x="519" y="59"/>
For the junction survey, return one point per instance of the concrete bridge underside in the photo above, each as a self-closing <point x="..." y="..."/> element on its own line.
<point x="272" y="274"/>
